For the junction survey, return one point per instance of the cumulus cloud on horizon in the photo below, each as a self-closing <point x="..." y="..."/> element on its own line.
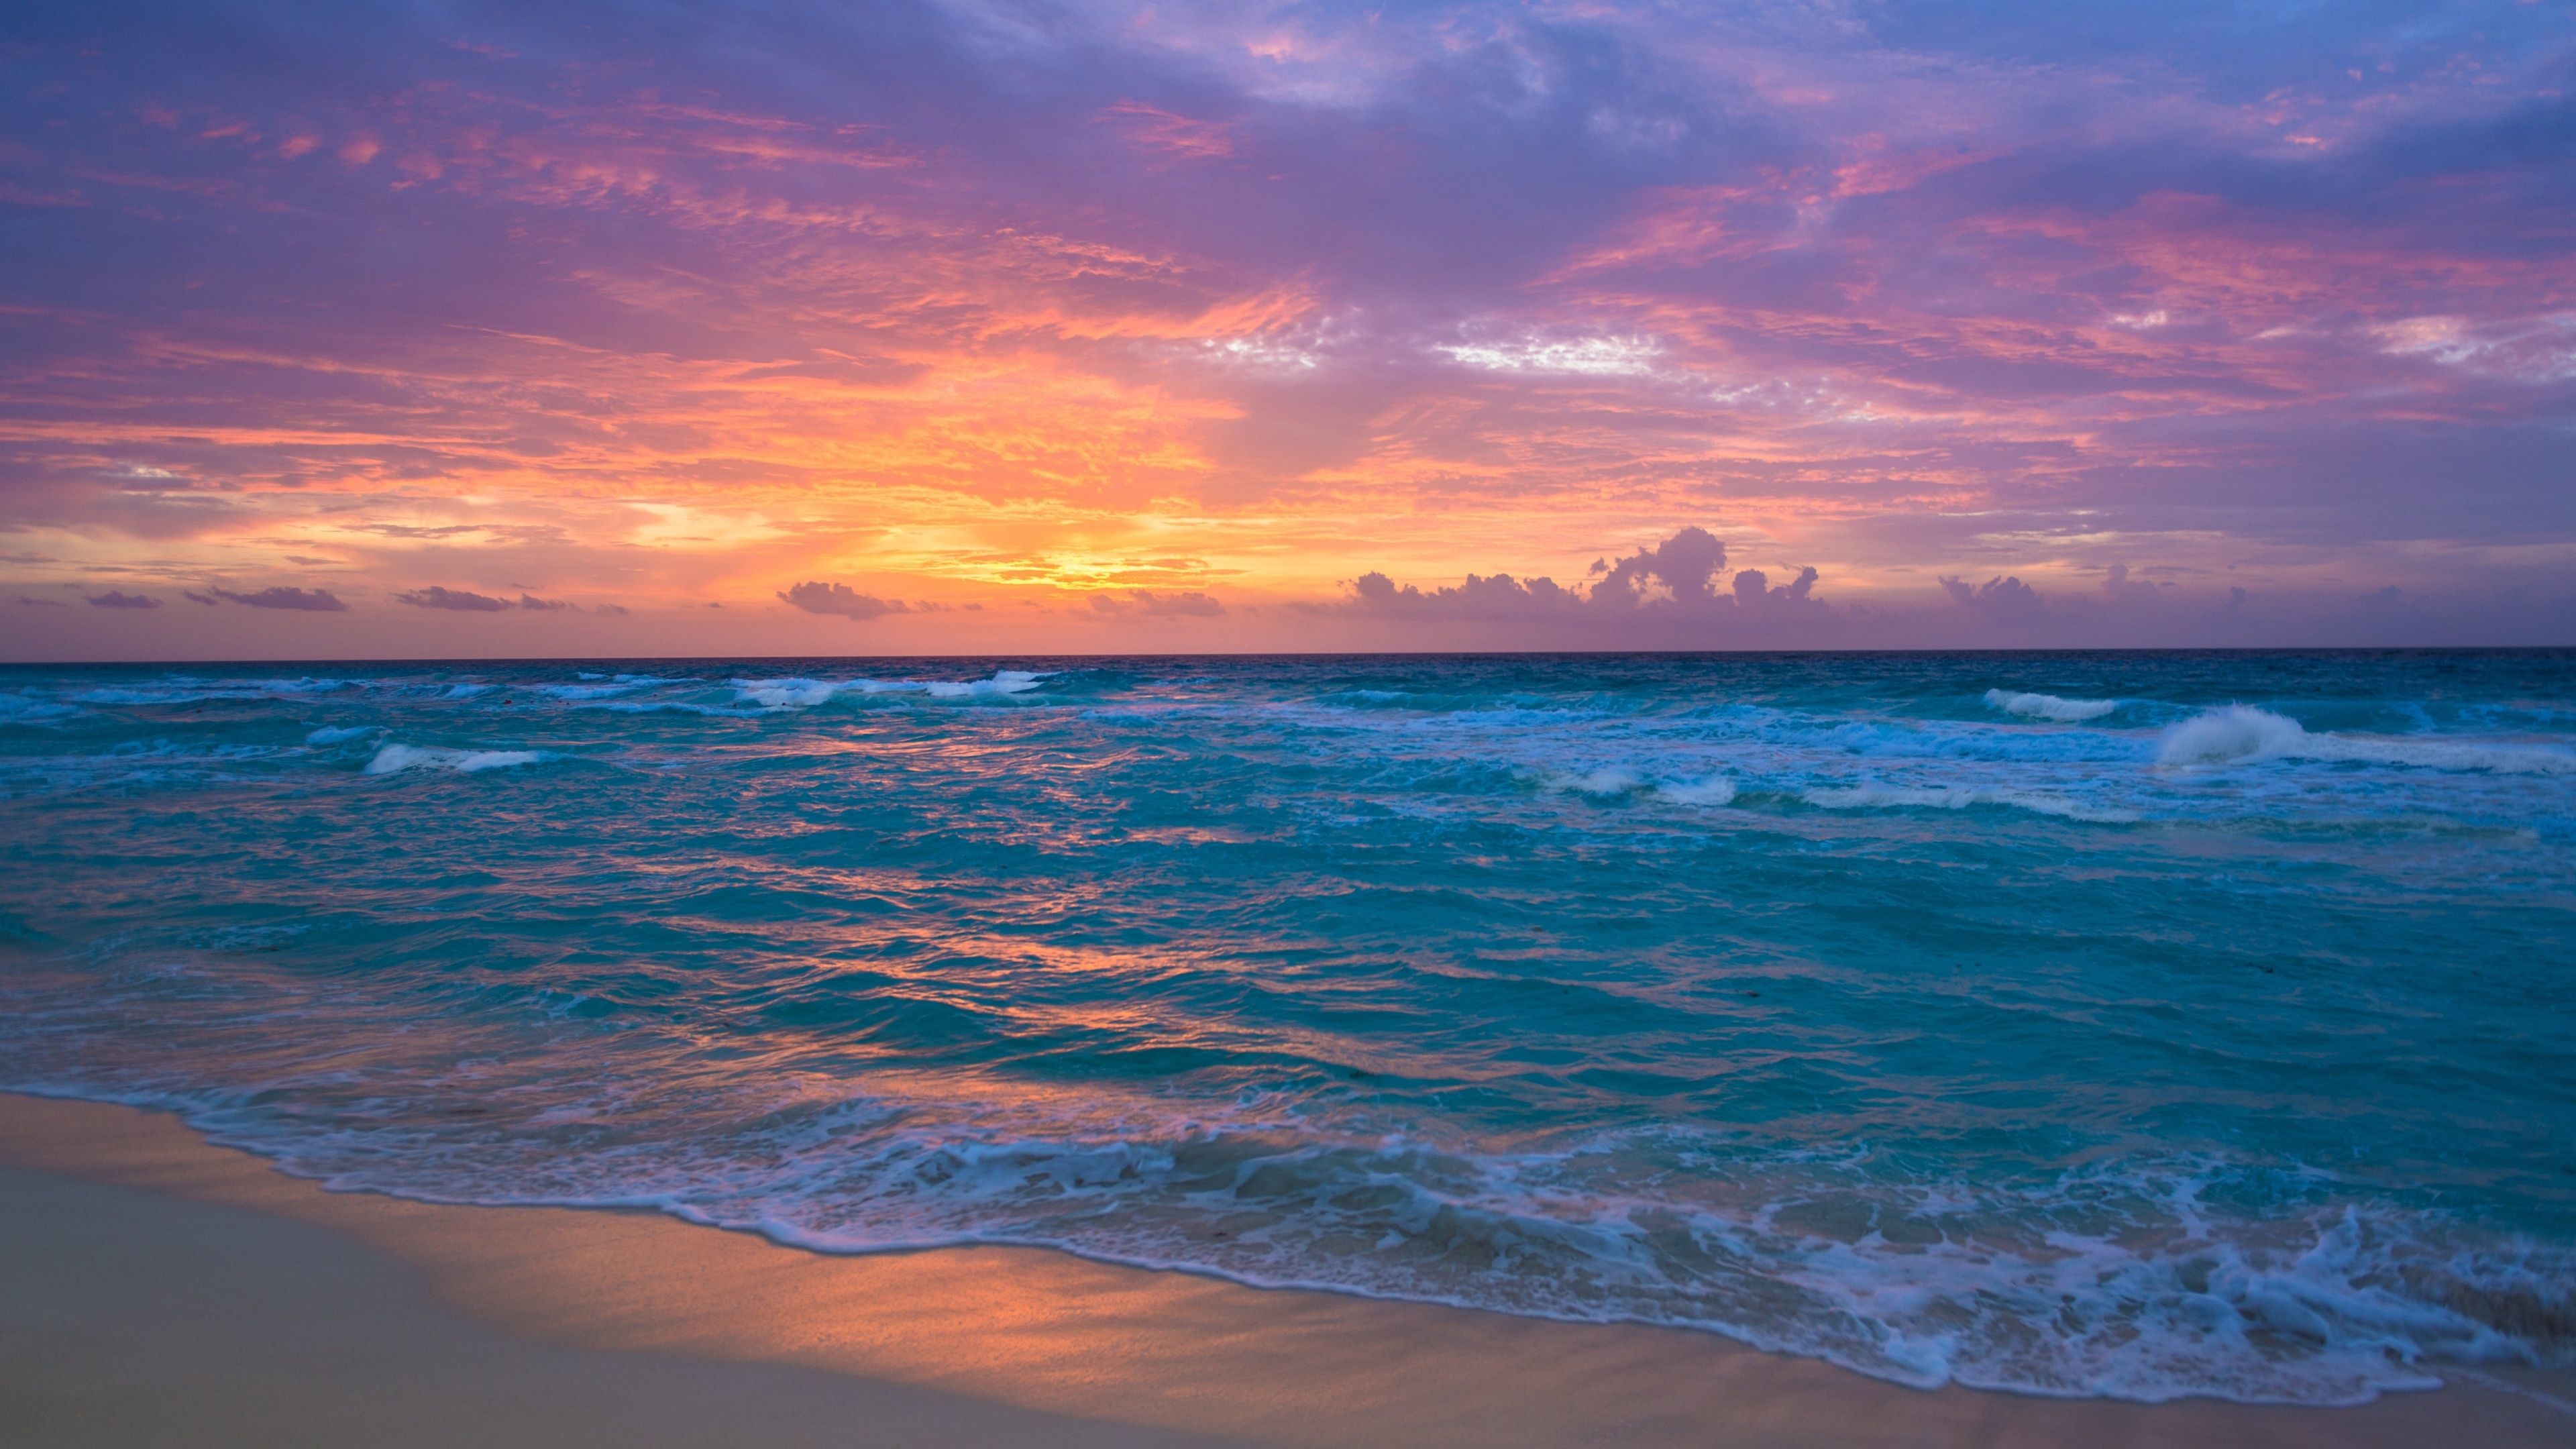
<point x="817" y="597"/>
<point x="1672" y="582"/>
<point x="466" y="601"/>
<point x="1678" y="593"/>
<point x="313" y="601"/>
<point x="461" y="601"/>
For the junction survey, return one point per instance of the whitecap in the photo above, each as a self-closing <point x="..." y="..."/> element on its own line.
<point x="784" y="693"/>
<point x="1715" y="790"/>
<point x="2049" y="706"/>
<point x="1607" y="781"/>
<point x="336" y="734"/>
<point x="806" y="693"/>
<point x="390" y="758"/>
<point x="1958" y="797"/>
<point x="2240" y="733"/>
<point x="1003" y="681"/>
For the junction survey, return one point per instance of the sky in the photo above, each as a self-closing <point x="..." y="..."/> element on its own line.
<point x="610" y="328"/>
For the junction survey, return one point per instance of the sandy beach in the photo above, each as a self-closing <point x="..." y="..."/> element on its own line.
<point x="160" y="1290"/>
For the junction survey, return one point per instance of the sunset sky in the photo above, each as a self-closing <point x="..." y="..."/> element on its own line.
<point x="787" y="326"/>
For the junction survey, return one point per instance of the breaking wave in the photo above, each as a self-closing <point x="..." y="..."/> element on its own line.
<point x="807" y="693"/>
<point x="2241" y="733"/>
<point x="391" y="758"/>
<point x="2049" y="706"/>
<point x="1959" y="797"/>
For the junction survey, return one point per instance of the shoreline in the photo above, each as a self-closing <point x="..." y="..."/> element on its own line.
<point x="634" y="1326"/>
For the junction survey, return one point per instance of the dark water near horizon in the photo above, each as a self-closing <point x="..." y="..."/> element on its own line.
<point x="2133" y="1025"/>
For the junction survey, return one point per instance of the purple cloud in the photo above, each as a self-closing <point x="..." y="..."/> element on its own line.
<point x="456" y="600"/>
<point x="2006" y="601"/>
<point x="840" y="599"/>
<point x="1675" y="580"/>
<point x="321" y="601"/>
<point x="114" y="600"/>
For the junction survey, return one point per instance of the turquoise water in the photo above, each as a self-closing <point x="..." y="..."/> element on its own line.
<point x="2112" y="1024"/>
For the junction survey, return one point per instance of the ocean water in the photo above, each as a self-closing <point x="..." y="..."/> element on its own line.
<point x="2131" y="1025"/>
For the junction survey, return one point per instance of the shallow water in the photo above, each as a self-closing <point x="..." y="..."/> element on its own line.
<point x="2109" y="1024"/>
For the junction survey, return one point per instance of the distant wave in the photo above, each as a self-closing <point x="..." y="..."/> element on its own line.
<point x="191" y="691"/>
<point x="18" y="707"/>
<point x="1611" y="781"/>
<point x="2240" y="733"/>
<point x="806" y="693"/>
<point x="391" y="758"/>
<point x="1958" y="797"/>
<point x="2049" y="706"/>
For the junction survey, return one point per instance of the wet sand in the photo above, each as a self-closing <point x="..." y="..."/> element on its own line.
<point x="159" y="1290"/>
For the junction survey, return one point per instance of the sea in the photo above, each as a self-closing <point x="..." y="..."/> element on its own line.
<point x="2123" y="1025"/>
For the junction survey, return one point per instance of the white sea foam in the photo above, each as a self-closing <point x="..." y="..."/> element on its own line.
<point x="2136" y="1279"/>
<point x="1715" y="790"/>
<point x="784" y="693"/>
<point x="806" y="693"/>
<point x="1003" y="681"/>
<point x="466" y="691"/>
<point x="2238" y="734"/>
<point x="1607" y="781"/>
<point x="337" y="734"/>
<point x="390" y="758"/>
<point x="1958" y="797"/>
<point x="2049" y="706"/>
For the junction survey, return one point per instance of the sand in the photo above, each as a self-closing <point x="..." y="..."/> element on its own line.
<point x="158" y="1290"/>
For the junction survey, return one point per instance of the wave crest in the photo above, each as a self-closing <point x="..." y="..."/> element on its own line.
<point x="390" y="758"/>
<point x="807" y="693"/>
<point x="2049" y="706"/>
<point x="2243" y="734"/>
<point x="1958" y="797"/>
